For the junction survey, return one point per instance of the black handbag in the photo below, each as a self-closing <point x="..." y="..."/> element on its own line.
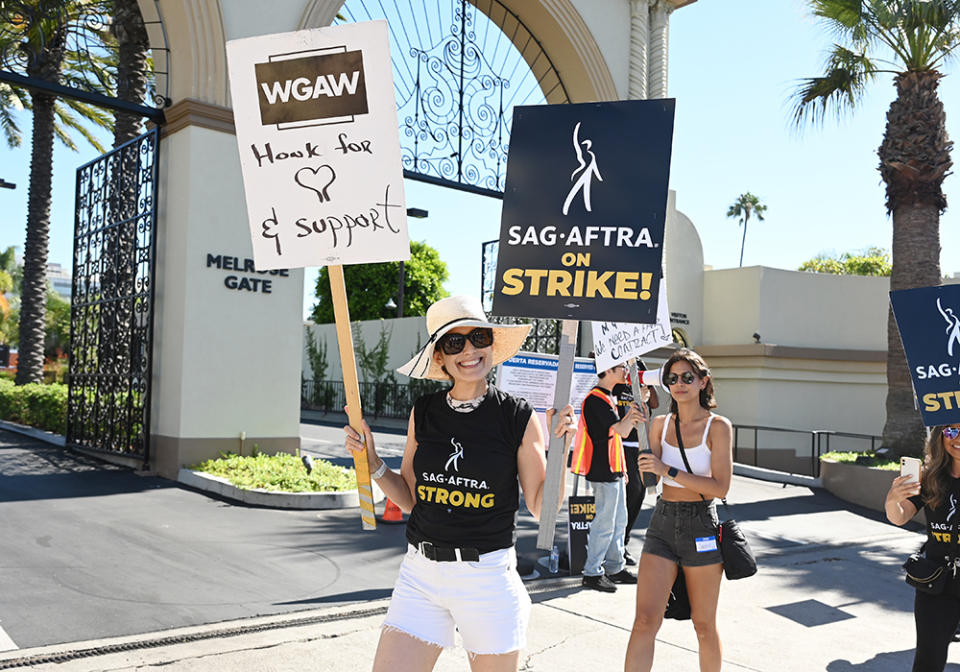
<point x="738" y="559"/>
<point x="926" y="575"/>
<point x="678" y="603"/>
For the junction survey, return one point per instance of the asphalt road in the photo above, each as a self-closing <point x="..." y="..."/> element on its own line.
<point x="88" y="550"/>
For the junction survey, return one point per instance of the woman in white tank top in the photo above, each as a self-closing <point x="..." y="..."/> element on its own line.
<point x="682" y="531"/>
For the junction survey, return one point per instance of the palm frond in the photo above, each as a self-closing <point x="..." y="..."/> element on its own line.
<point x="67" y="120"/>
<point x="10" y="102"/>
<point x="838" y="91"/>
<point x="64" y="138"/>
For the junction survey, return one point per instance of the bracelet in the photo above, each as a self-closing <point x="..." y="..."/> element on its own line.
<point x="381" y="470"/>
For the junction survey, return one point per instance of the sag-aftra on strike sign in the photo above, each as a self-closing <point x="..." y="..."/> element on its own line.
<point x="317" y="132"/>
<point x="581" y="235"/>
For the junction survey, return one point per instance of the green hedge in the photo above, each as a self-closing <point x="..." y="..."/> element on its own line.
<point x="41" y="406"/>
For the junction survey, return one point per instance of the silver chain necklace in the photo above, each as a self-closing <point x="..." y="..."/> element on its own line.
<point x="465" y="406"/>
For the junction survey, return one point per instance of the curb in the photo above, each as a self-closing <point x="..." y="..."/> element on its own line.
<point x="34" y="433"/>
<point x="62" y="653"/>
<point x="762" y="474"/>
<point x="272" y="499"/>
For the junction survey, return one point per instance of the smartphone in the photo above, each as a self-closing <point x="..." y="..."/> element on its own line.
<point x="910" y="466"/>
<point x="649" y="479"/>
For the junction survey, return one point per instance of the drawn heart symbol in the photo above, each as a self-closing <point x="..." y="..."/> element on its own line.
<point x="317" y="180"/>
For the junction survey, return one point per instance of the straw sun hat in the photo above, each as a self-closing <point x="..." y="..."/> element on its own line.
<point x="462" y="311"/>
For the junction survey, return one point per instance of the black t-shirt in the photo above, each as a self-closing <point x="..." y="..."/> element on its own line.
<point x="624" y="396"/>
<point x="599" y="416"/>
<point x="466" y="469"/>
<point x="943" y="523"/>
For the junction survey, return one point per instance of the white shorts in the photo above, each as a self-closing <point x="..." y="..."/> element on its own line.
<point x="486" y="601"/>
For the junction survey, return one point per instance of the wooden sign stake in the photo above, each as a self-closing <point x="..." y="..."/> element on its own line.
<point x="555" y="461"/>
<point x="351" y="385"/>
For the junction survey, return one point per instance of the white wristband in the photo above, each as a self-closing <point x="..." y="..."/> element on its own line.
<point x="381" y="470"/>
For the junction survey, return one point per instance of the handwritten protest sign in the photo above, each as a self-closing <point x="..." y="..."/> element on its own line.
<point x="618" y="342"/>
<point x="928" y="319"/>
<point x="320" y="154"/>
<point x="319" y="147"/>
<point x="581" y="234"/>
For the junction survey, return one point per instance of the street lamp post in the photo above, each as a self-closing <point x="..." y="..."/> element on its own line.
<point x="415" y="213"/>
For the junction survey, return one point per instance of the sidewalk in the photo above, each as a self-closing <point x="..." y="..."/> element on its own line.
<point x="829" y="596"/>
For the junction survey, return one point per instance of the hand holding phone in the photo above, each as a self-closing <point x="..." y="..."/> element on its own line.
<point x="910" y="466"/>
<point x="649" y="478"/>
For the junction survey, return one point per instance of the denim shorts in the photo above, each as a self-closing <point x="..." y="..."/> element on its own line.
<point x="685" y="533"/>
<point x="485" y="601"/>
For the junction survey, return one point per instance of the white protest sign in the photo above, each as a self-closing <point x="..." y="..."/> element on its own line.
<point x="618" y="342"/>
<point x="316" y="124"/>
<point x="533" y="376"/>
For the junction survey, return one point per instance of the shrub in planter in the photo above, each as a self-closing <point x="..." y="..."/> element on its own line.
<point x="41" y="406"/>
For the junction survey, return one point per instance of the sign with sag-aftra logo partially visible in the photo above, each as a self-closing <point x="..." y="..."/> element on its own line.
<point x="928" y="319"/>
<point x="319" y="147"/>
<point x="581" y="233"/>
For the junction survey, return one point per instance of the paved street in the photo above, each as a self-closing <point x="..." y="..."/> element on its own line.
<point x="95" y="556"/>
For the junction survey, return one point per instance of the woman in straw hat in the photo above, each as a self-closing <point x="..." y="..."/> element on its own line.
<point x="466" y="449"/>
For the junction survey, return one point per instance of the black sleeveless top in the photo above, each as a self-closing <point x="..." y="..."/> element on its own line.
<point x="467" y="492"/>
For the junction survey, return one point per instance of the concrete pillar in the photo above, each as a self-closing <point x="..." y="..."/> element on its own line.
<point x="227" y="340"/>
<point x="659" y="48"/>
<point x="639" y="41"/>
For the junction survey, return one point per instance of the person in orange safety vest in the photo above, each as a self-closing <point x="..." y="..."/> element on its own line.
<point x="598" y="456"/>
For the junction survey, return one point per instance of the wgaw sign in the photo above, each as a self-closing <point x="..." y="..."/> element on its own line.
<point x="317" y="133"/>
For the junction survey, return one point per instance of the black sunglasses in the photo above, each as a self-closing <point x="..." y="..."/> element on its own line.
<point x="687" y="377"/>
<point x="452" y="344"/>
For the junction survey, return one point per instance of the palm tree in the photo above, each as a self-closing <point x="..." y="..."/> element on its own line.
<point x="909" y="39"/>
<point x="133" y="71"/>
<point x="743" y="207"/>
<point x="42" y="34"/>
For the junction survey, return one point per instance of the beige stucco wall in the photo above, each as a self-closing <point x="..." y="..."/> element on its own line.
<point x="821" y="363"/>
<point x="683" y="267"/>
<point x="793" y="308"/>
<point x="403" y="334"/>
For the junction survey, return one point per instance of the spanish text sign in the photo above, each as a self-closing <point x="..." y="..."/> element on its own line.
<point x="319" y="147"/>
<point x="929" y="322"/>
<point x="581" y="234"/>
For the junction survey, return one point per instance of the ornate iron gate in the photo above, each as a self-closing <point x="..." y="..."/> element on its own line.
<point x="544" y="337"/>
<point x="459" y="69"/>
<point x="111" y="319"/>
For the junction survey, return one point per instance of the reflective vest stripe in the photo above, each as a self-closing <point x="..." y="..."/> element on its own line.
<point x="583" y="446"/>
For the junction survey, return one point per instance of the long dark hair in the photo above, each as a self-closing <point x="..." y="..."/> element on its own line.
<point x="935" y="481"/>
<point x="700" y="368"/>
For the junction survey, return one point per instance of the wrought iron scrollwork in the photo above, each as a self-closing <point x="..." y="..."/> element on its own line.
<point x="111" y="322"/>
<point x="544" y="337"/>
<point x="459" y="69"/>
<point x="71" y="44"/>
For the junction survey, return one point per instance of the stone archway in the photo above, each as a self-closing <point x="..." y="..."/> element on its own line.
<point x="555" y="24"/>
<point x="228" y="363"/>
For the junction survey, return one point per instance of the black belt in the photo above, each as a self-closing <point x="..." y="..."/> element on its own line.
<point x="431" y="552"/>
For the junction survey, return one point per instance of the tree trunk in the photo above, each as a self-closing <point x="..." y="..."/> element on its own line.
<point x="743" y="241"/>
<point x="916" y="263"/>
<point x="134" y="46"/>
<point x="914" y="159"/>
<point x="33" y="307"/>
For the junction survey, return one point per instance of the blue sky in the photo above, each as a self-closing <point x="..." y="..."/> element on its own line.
<point x="733" y="65"/>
